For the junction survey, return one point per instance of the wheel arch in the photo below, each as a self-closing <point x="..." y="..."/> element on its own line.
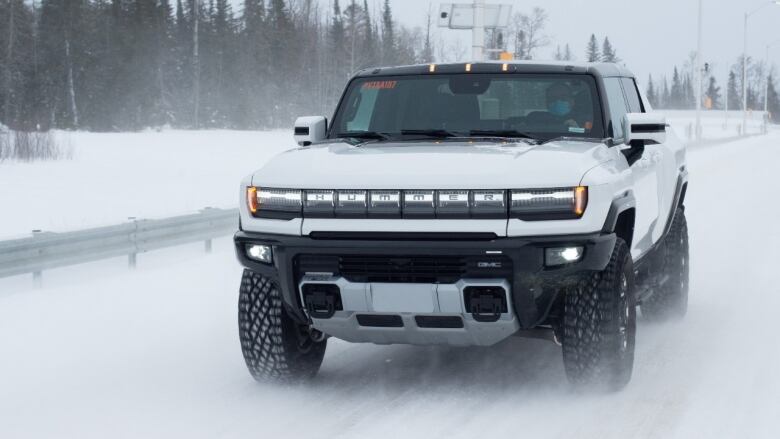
<point x="622" y="217"/>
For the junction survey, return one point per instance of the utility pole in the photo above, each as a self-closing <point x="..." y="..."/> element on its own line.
<point x="698" y="71"/>
<point x="478" y="31"/>
<point x="745" y="59"/>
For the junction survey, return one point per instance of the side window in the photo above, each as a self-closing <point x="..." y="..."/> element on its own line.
<point x="632" y="95"/>
<point x="617" y="106"/>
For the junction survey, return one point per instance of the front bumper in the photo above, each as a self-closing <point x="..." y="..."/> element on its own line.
<point x="533" y="287"/>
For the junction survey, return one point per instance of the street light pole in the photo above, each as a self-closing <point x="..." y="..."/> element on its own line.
<point x="698" y="74"/>
<point x="744" y="63"/>
<point x="478" y="31"/>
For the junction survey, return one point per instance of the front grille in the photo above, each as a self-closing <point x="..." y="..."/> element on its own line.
<point x="412" y="269"/>
<point x="444" y="269"/>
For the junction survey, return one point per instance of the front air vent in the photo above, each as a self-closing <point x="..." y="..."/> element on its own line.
<point x="402" y="269"/>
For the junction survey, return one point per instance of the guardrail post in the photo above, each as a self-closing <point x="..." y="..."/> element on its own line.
<point x="131" y="258"/>
<point x="37" y="276"/>
<point x="207" y="243"/>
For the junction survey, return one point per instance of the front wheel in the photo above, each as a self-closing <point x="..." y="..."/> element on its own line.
<point x="599" y="326"/>
<point x="275" y="347"/>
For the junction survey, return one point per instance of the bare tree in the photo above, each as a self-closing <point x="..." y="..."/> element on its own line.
<point x="528" y="30"/>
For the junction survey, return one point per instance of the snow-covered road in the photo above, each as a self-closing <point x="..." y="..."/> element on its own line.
<point x="104" y="352"/>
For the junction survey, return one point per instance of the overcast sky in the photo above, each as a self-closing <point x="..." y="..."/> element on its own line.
<point x="649" y="35"/>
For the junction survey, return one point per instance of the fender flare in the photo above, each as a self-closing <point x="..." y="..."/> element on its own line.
<point x="679" y="198"/>
<point x="618" y="206"/>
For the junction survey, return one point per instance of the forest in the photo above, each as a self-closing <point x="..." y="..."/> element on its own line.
<point x="115" y="65"/>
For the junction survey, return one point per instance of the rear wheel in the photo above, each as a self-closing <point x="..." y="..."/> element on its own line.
<point x="275" y="347"/>
<point x="669" y="300"/>
<point x="599" y="327"/>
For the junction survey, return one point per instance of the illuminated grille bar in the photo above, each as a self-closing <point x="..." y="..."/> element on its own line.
<point x="532" y="204"/>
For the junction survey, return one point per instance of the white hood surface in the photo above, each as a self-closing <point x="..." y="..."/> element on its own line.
<point x="432" y="165"/>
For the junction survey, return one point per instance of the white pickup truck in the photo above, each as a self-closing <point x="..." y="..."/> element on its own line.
<point x="461" y="204"/>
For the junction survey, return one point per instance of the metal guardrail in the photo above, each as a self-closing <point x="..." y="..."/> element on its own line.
<point x="47" y="250"/>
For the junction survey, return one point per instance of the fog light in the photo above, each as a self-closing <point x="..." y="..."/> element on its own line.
<point x="260" y="253"/>
<point x="562" y="255"/>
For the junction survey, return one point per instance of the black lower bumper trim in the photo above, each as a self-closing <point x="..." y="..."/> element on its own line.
<point x="439" y="322"/>
<point x="530" y="281"/>
<point x="380" y="321"/>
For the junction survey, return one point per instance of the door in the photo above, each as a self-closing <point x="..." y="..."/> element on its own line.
<point x="662" y="156"/>
<point x="643" y="171"/>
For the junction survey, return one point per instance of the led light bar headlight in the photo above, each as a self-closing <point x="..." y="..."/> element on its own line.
<point x="274" y="202"/>
<point x="549" y="204"/>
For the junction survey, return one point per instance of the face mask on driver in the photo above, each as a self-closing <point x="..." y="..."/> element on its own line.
<point x="560" y="108"/>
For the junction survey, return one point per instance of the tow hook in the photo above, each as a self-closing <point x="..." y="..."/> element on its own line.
<point x="316" y="336"/>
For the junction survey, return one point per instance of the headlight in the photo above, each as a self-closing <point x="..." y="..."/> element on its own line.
<point x="549" y="204"/>
<point x="260" y="253"/>
<point x="280" y="202"/>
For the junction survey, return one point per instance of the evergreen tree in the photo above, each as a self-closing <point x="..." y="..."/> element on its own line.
<point x="427" y="53"/>
<point x="665" y="99"/>
<point x="652" y="96"/>
<point x="592" y="54"/>
<point x="713" y="95"/>
<point x="558" y="56"/>
<point x="773" y="100"/>
<point x="608" y="53"/>
<point x="389" y="55"/>
<point x="677" y="94"/>
<point x="734" y="96"/>
<point x="17" y="65"/>
<point x="567" y="54"/>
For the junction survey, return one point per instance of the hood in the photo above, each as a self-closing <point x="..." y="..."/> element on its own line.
<point x="432" y="165"/>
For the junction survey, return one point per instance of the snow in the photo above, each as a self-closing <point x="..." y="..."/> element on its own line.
<point x="105" y="352"/>
<point x="113" y="176"/>
<point x="715" y="125"/>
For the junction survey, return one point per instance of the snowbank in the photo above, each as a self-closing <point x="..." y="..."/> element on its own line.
<point x="113" y="176"/>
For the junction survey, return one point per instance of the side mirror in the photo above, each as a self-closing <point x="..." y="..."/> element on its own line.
<point x="310" y="129"/>
<point x="644" y="128"/>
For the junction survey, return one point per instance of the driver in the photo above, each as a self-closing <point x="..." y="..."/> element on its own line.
<point x="560" y="103"/>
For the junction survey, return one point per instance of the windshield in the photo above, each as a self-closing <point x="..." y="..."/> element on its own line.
<point x="469" y="105"/>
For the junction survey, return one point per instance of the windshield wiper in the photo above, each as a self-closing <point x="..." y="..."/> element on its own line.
<point x="370" y="135"/>
<point x="438" y="134"/>
<point x="501" y="133"/>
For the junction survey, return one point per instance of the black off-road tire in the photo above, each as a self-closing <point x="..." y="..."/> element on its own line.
<point x="275" y="347"/>
<point x="669" y="301"/>
<point x="599" y="327"/>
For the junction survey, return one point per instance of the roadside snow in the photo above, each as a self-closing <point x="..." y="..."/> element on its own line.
<point x="715" y="124"/>
<point x="113" y="176"/>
